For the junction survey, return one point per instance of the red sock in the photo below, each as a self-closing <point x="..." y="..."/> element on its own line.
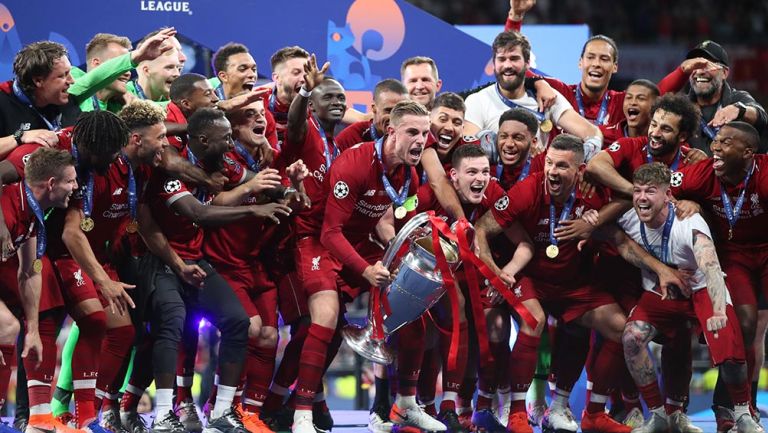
<point x="501" y="353"/>
<point x="739" y="392"/>
<point x="9" y="357"/>
<point x="115" y="347"/>
<point x="85" y="365"/>
<point x="607" y="373"/>
<point x="651" y="395"/>
<point x="260" y="364"/>
<point x="488" y="376"/>
<point x="312" y="363"/>
<point x="522" y="366"/>
<point x="39" y="379"/>
<point x="288" y="369"/>
<point x="410" y="349"/>
<point x="430" y="369"/>
<point x="452" y="378"/>
<point x="141" y="376"/>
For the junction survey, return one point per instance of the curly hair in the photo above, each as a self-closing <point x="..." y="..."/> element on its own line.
<point x="141" y="114"/>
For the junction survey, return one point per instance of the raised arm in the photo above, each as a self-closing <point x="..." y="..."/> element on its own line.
<point x="706" y="258"/>
<point x="602" y="169"/>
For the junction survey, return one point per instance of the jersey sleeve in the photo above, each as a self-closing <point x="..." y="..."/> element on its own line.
<point x="621" y="152"/>
<point x="93" y="81"/>
<point x="170" y="190"/>
<point x="560" y="106"/>
<point x="234" y="172"/>
<point x="346" y="185"/>
<point x="19" y="156"/>
<point x="689" y="181"/>
<point x="696" y="222"/>
<point x="476" y="110"/>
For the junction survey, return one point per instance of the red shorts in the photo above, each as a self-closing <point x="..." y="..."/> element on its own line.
<point x="291" y="300"/>
<point x="562" y="302"/>
<point x="50" y="293"/>
<point x="316" y="267"/>
<point x="256" y="292"/>
<point x="76" y="285"/>
<point x="746" y="268"/>
<point x="614" y="275"/>
<point x="668" y="316"/>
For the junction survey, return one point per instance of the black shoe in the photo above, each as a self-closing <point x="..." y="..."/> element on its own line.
<point x="280" y="420"/>
<point x="322" y="418"/>
<point x="133" y="422"/>
<point x="451" y="420"/>
<point x="167" y="423"/>
<point x="20" y="422"/>
<point x="110" y="420"/>
<point x="229" y="422"/>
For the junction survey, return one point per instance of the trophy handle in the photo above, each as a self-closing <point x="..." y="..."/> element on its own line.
<point x="402" y="236"/>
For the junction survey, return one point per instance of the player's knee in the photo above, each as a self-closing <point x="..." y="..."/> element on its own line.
<point x="254" y="328"/>
<point x="326" y="318"/>
<point x="235" y="328"/>
<point x="734" y="372"/>
<point x="631" y="342"/>
<point x="93" y="323"/>
<point x="9" y="328"/>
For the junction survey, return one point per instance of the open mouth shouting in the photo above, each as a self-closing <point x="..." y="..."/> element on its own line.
<point x="633" y="113"/>
<point x="555" y="184"/>
<point x="445" y="140"/>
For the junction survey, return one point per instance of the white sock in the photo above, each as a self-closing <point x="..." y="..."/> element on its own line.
<point x="224" y="396"/>
<point x="40" y="409"/>
<point x="302" y="413"/>
<point x="163" y="401"/>
<point x="560" y="398"/>
<point x="405" y="401"/>
<point x="741" y="409"/>
<point x="450" y="395"/>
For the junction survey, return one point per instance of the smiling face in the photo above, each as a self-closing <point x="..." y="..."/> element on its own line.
<point x="152" y="142"/>
<point x="664" y="136"/>
<point x="382" y="107"/>
<point x="289" y="77"/>
<point x="706" y="82"/>
<point x="470" y="179"/>
<point x="202" y="96"/>
<point x="514" y="142"/>
<point x="509" y="67"/>
<point x="649" y="200"/>
<point x="561" y="172"/>
<point x="410" y="137"/>
<point x="240" y="73"/>
<point x="111" y="51"/>
<point x="52" y="88"/>
<point x="638" y="101"/>
<point x="328" y="101"/>
<point x="597" y="65"/>
<point x="447" y="125"/>
<point x="60" y="189"/>
<point x="161" y="72"/>
<point x="421" y="83"/>
<point x="730" y="153"/>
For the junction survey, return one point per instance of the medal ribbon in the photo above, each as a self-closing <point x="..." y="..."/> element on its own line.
<point x="603" y="106"/>
<point x="38" y="211"/>
<point x="511" y="104"/>
<point x="397" y="199"/>
<point x="201" y="192"/>
<point x="664" y="236"/>
<point x="219" y="90"/>
<point x="282" y="117"/>
<point x="243" y="152"/>
<point x="326" y="150"/>
<point x="132" y="198"/>
<point x="563" y="215"/>
<point x="733" y="211"/>
<point x="139" y="90"/>
<point x="523" y="174"/>
<point x="675" y="162"/>
<point x="21" y="96"/>
<point x="708" y="130"/>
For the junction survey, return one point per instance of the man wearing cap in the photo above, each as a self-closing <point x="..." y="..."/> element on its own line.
<point x="718" y="101"/>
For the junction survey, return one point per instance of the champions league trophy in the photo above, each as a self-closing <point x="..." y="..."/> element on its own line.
<point x="417" y="286"/>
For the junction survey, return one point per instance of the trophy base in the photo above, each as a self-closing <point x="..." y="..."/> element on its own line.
<point x="362" y="342"/>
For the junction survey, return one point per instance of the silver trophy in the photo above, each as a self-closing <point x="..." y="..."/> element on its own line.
<point x="418" y="285"/>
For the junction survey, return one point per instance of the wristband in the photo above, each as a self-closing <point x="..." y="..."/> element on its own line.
<point x="592" y="146"/>
<point x="530" y="82"/>
<point x="304" y="92"/>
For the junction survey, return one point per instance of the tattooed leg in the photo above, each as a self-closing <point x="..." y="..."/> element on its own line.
<point x="637" y="335"/>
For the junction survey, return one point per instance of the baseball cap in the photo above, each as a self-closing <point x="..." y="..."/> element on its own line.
<point x="709" y="50"/>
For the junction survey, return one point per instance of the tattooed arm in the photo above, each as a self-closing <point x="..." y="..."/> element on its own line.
<point x="706" y="258"/>
<point x="636" y="255"/>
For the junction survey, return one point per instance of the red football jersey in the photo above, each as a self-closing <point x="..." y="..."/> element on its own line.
<point x="19" y="156"/>
<point x="698" y="182"/>
<point x="630" y="153"/>
<point x="183" y="235"/>
<point x="357" y="132"/>
<point x="19" y="218"/>
<point x="174" y="115"/>
<point x="613" y="132"/>
<point x="238" y="244"/>
<point x="591" y="109"/>
<point x="528" y="202"/>
<point x="427" y="200"/>
<point x="356" y="200"/>
<point x="312" y="151"/>
<point x="510" y="175"/>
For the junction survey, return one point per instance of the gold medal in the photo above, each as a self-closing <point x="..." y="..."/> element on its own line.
<point x="730" y="233"/>
<point x="132" y="227"/>
<point x="86" y="224"/>
<point x="37" y="266"/>
<point x="545" y="125"/>
<point x="552" y="251"/>
<point x="400" y="212"/>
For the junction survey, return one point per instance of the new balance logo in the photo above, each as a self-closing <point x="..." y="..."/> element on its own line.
<point x="370" y="193"/>
<point x="118" y="191"/>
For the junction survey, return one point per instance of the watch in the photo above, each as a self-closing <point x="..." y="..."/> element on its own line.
<point x="17" y="136"/>
<point x="742" y="109"/>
